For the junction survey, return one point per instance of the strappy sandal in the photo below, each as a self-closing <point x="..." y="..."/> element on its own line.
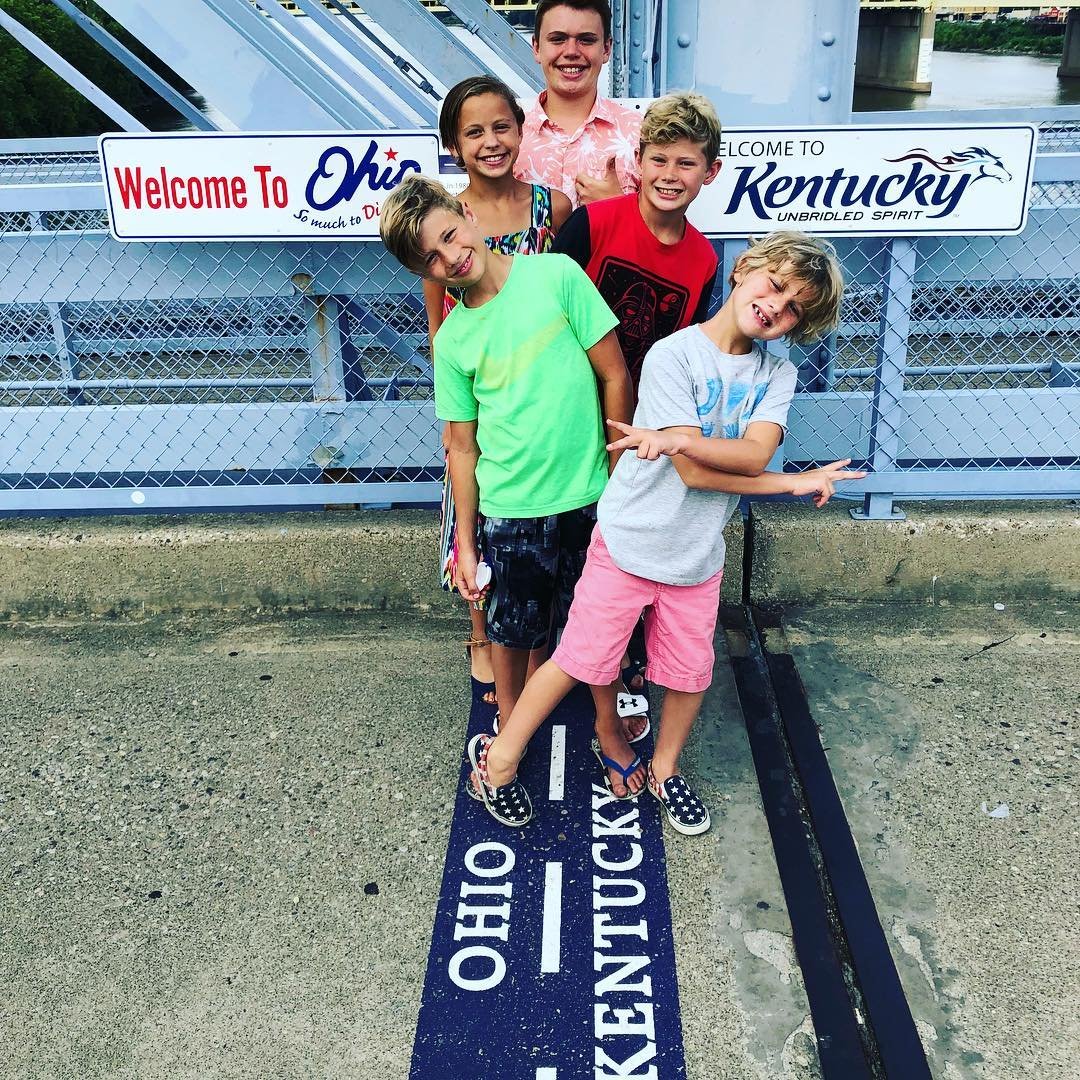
<point x="480" y="690"/>
<point x="624" y="771"/>
<point x="509" y="804"/>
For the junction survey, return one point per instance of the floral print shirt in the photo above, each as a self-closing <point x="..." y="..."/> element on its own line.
<point x="554" y="157"/>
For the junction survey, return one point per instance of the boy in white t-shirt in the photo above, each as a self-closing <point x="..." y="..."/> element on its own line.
<point x="712" y="411"/>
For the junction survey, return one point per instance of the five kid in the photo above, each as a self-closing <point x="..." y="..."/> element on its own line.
<point x="518" y="364"/>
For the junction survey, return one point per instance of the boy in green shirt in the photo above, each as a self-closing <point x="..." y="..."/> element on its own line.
<point x="517" y="366"/>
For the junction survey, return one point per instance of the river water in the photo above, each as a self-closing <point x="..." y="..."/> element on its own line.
<point x="979" y="81"/>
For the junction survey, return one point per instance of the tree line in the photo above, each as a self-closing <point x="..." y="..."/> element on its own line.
<point x="36" y="103"/>
<point x="1014" y="36"/>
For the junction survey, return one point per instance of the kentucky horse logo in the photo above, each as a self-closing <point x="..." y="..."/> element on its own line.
<point x="975" y="159"/>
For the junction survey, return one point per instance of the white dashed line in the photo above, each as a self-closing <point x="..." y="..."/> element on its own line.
<point x="557" y="776"/>
<point x="552" y="924"/>
<point x="546" y="1072"/>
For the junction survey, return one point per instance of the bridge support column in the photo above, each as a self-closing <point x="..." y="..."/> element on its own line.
<point x="1070" y="56"/>
<point x="895" y="48"/>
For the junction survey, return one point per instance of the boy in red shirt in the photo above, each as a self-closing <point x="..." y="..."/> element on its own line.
<point x="654" y="269"/>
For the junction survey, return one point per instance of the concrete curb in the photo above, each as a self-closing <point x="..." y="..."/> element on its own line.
<point x="147" y="565"/>
<point x="944" y="553"/>
<point x="339" y="561"/>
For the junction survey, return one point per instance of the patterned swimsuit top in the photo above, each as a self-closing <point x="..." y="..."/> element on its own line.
<point x="534" y="239"/>
<point x="537" y="237"/>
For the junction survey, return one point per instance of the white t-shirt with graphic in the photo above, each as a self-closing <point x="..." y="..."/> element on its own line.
<point x="652" y="523"/>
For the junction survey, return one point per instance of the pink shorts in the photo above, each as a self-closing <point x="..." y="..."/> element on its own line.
<point x="680" y="621"/>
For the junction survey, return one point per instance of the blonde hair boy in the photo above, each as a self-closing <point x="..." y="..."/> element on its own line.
<point x="806" y="259"/>
<point x="682" y="116"/>
<point x="402" y="215"/>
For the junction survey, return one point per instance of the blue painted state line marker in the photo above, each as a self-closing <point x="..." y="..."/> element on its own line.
<point x="552" y="955"/>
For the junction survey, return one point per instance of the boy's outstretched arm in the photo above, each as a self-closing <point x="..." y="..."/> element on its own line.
<point x="616" y="391"/>
<point x="821" y="483"/>
<point x="464" y="453"/>
<point x="747" y="456"/>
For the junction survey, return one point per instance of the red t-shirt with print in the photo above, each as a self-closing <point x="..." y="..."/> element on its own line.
<point x="653" y="288"/>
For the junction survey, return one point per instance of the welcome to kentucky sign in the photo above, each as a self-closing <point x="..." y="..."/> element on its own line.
<point x="942" y="180"/>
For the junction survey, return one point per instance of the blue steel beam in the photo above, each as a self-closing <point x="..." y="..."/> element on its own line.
<point x="420" y="81"/>
<point x="679" y="19"/>
<point x="445" y="57"/>
<point x="295" y="59"/>
<point x="784" y="62"/>
<point x="249" y="73"/>
<point x="387" y="90"/>
<point x="33" y="44"/>
<point x="618" y="51"/>
<point x="887" y="410"/>
<point x="499" y="36"/>
<point x="639" y="79"/>
<point x="240" y="497"/>
<point x="147" y="75"/>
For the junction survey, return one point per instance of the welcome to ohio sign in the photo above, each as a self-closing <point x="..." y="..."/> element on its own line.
<point x="257" y="187"/>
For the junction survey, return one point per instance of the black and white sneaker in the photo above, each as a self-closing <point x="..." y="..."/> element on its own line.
<point x="686" y="813"/>
<point x="509" y="804"/>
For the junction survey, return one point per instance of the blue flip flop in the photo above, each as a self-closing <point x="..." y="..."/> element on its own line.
<point x="624" y="771"/>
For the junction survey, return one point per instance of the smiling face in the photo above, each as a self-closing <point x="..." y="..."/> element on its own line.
<point x="672" y="174"/>
<point x="570" y="48"/>
<point x="488" y="136"/>
<point x="451" y="250"/>
<point x="767" y="304"/>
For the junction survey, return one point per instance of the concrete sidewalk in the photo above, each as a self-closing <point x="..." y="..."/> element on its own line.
<point x="953" y="737"/>
<point x="214" y="866"/>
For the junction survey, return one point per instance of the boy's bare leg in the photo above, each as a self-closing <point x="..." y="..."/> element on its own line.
<point x="509" y="666"/>
<point x="534" y="705"/>
<point x="677" y="717"/>
<point x="611" y="734"/>
<point x="537" y="659"/>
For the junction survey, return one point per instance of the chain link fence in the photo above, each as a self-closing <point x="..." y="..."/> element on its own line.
<point x="161" y="376"/>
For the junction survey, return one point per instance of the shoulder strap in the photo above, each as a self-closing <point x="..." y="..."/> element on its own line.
<point x="541" y="207"/>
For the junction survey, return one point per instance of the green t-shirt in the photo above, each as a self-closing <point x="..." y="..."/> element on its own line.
<point x="517" y="365"/>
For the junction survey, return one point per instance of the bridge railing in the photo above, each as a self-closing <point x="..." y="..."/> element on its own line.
<point x="211" y="375"/>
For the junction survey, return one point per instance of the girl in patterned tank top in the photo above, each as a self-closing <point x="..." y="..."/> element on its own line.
<point x="480" y="124"/>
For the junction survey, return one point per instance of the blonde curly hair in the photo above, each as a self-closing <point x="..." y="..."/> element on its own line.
<point x="807" y="259"/>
